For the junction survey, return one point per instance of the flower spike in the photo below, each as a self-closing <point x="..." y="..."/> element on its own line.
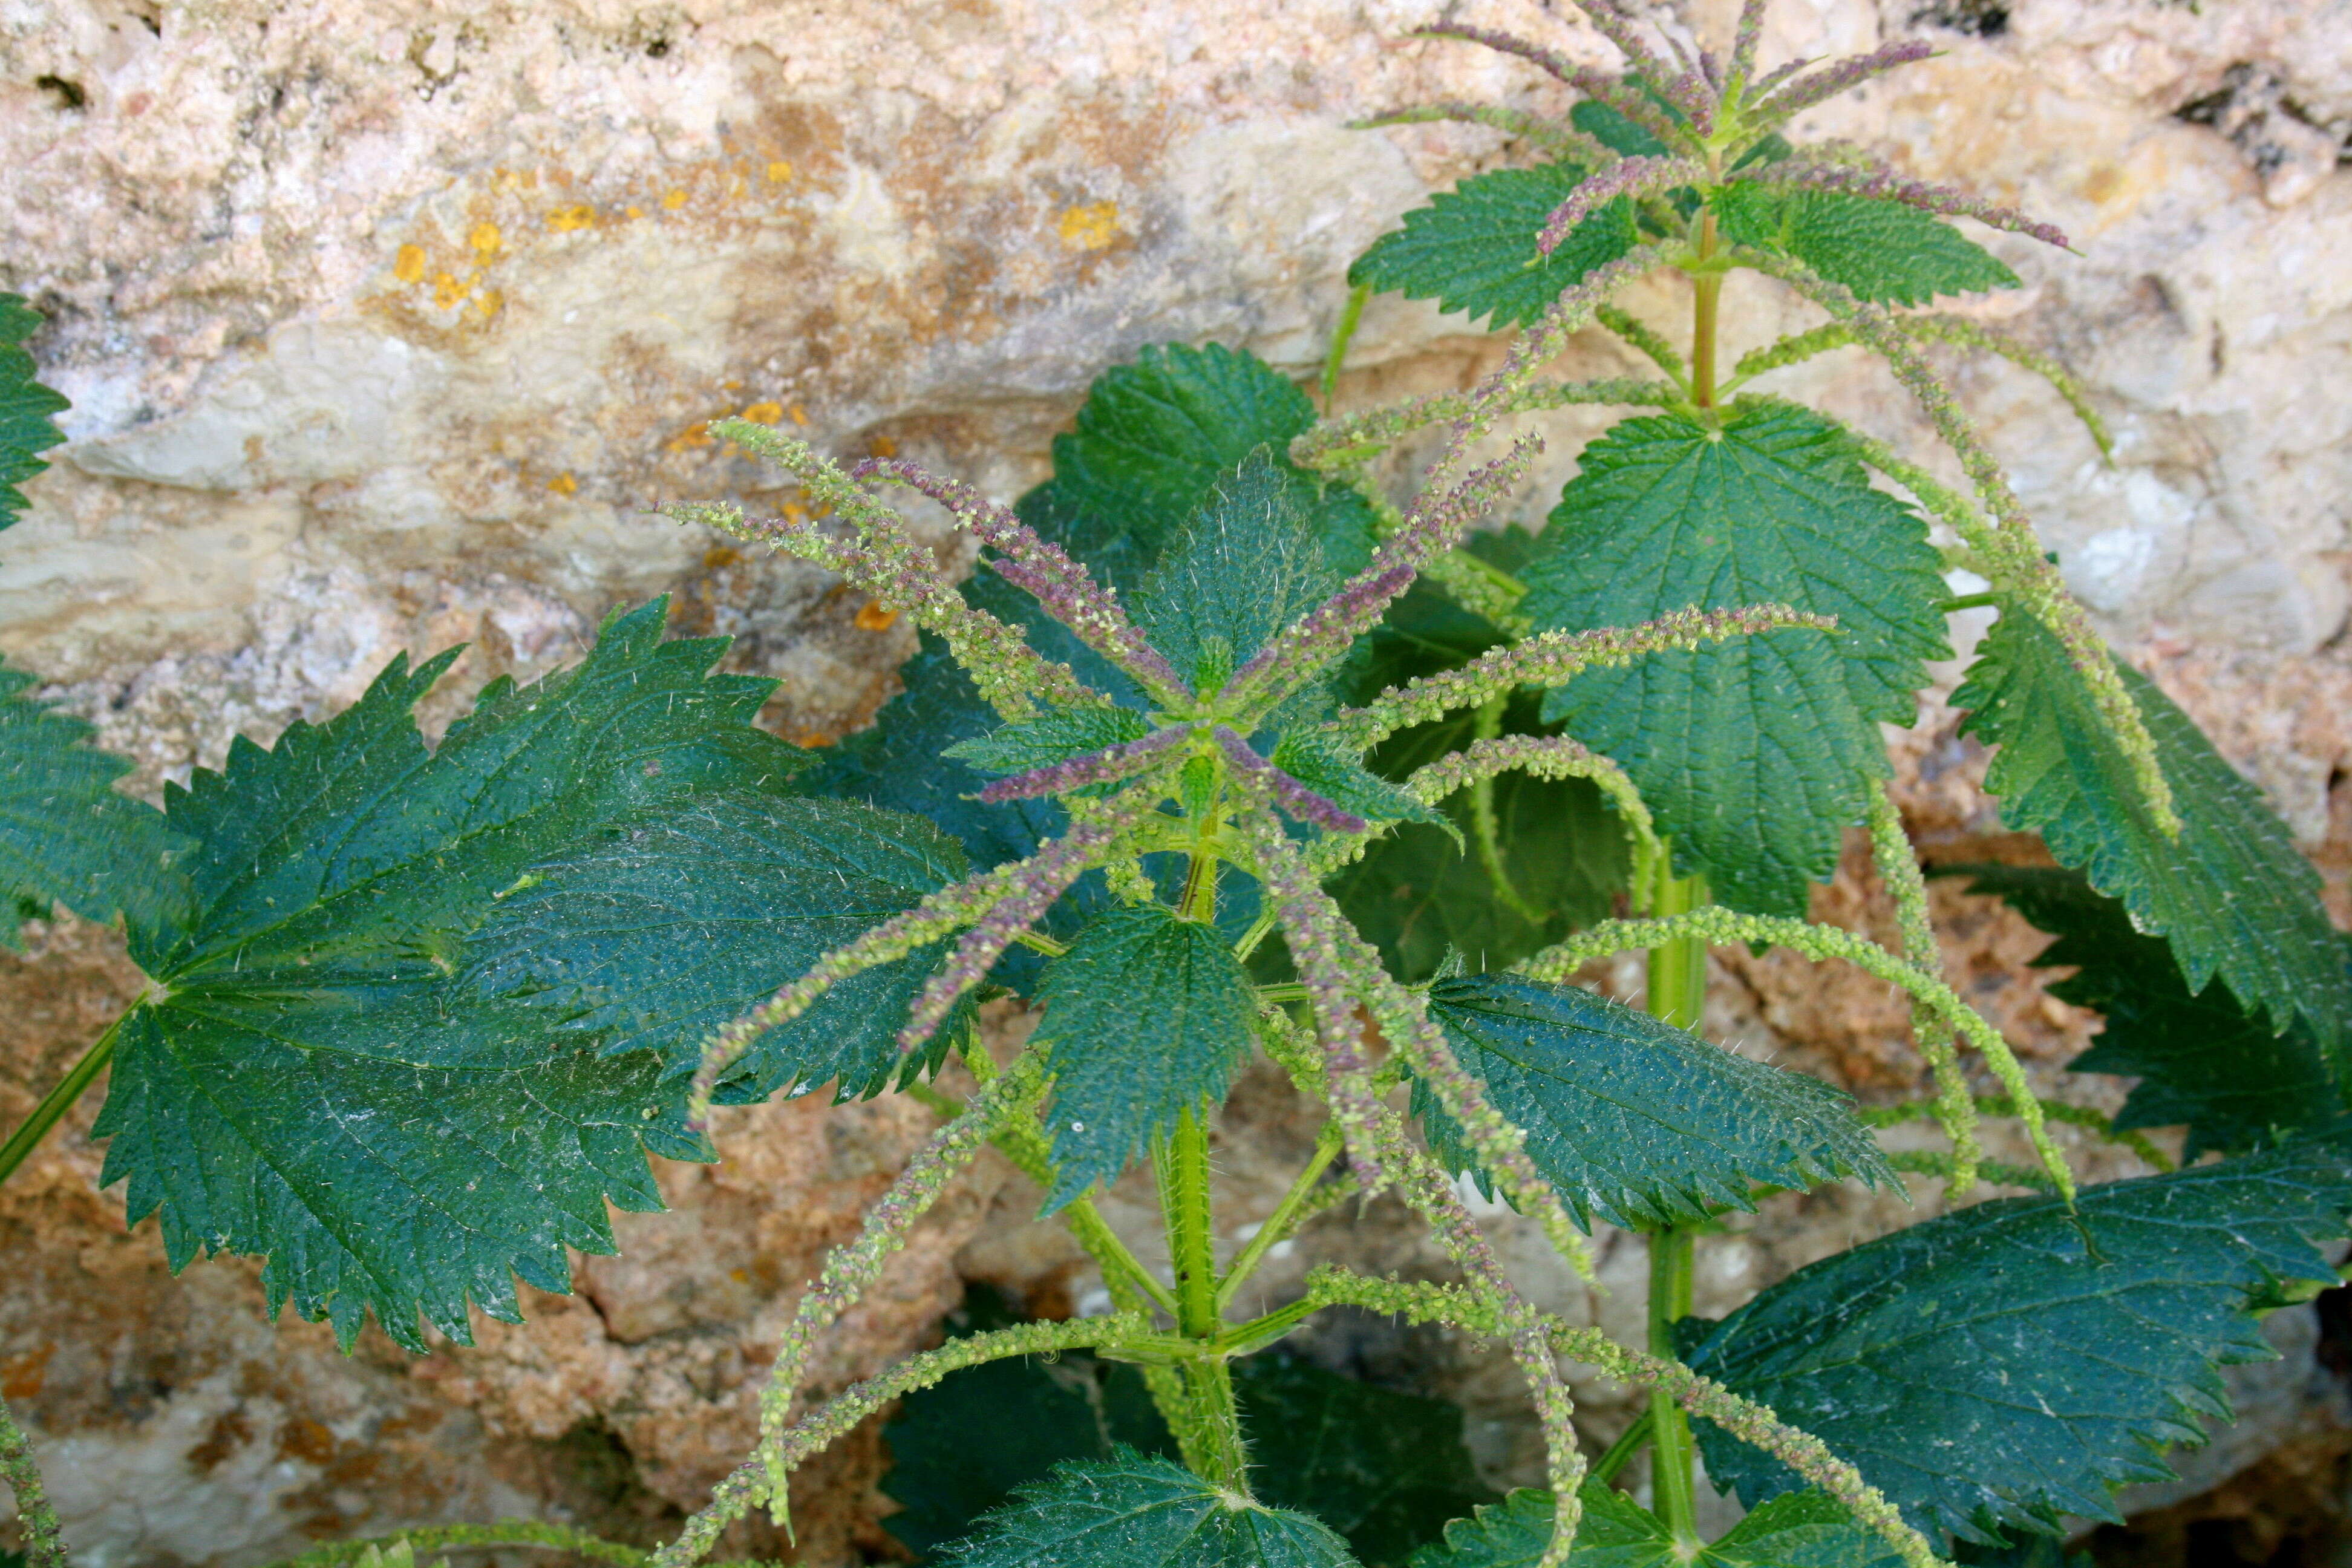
<point x="1293" y="796"/>
<point x="1840" y="77"/>
<point x="1599" y="86"/>
<point x="1106" y="766"/>
<point x="1884" y="184"/>
<point x="1626" y="177"/>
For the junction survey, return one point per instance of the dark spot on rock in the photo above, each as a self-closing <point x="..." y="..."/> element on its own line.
<point x="1978" y="18"/>
<point x="70" y="93"/>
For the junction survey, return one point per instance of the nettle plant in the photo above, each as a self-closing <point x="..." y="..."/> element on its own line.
<point x="1230" y="749"/>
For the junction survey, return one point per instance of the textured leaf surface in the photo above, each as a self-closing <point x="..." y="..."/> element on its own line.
<point x="2008" y="1363"/>
<point x="1802" y="1530"/>
<point x="1146" y="1016"/>
<point x="1317" y="762"/>
<point x="1473" y="248"/>
<point x="25" y="406"/>
<point x="1754" y="753"/>
<point x="1154" y="437"/>
<point x="1131" y="1511"/>
<point x="1056" y="736"/>
<point x="1631" y="1119"/>
<point x="66" y="835"/>
<point x="2204" y="1060"/>
<point x="315" y="1086"/>
<point x="2232" y="895"/>
<point x="659" y="931"/>
<point x="1882" y="250"/>
<point x="1245" y="564"/>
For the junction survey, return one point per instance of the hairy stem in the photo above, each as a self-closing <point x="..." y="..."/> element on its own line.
<point x="1209" y="1431"/>
<point x="1350" y="316"/>
<point x="45" y="1544"/>
<point x="57" y="1102"/>
<point x="1671" y="1485"/>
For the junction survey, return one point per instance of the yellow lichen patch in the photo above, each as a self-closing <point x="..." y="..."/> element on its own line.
<point x="484" y="239"/>
<point x="779" y="171"/>
<point x="800" y="414"/>
<point x="563" y="484"/>
<point x="764" y="412"/>
<point x="1092" y="226"/>
<point x="882" y="447"/>
<point x="695" y="435"/>
<point x="408" y="264"/>
<point x="795" y="512"/>
<point x="488" y="302"/>
<point x="674" y="199"/>
<point x="579" y="214"/>
<point x="718" y="557"/>
<point x="448" y="291"/>
<point x="875" y="616"/>
<point x="637" y="212"/>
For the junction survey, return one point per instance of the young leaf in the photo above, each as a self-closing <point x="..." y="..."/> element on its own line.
<point x="2232" y="895"/>
<point x="652" y="935"/>
<point x="1154" y="437"/>
<point x="1146" y="1016"/>
<point x="2010" y="1362"/>
<point x="1473" y="248"/>
<point x="1129" y="1511"/>
<point x="1053" y="737"/>
<point x="1317" y="764"/>
<point x="1884" y="251"/>
<point x="1803" y="1530"/>
<point x="1245" y="564"/>
<point x="310" y="1082"/>
<point x="25" y="405"/>
<point x="1754" y="753"/>
<point x="1385" y="1469"/>
<point x="1635" y="1119"/>
<point x="2204" y="1059"/>
<point x="65" y="837"/>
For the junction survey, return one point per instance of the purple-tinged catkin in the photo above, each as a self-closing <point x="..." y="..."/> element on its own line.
<point x="1840" y="75"/>
<point x="1626" y="177"/>
<point x="1745" y="37"/>
<point x="1560" y="141"/>
<point x="1339" y="445"/>
<point x="1549" y="658"/>
<point x="1619" y="26"/>
<point x="1106" y="766"/>
<point x="1280" y="788"/>
<point x="1035" y="883"/>
<point x="1597" y="85"/>
<point x="1884" y="184"/>
<point x="1062" y="587"/>
<point x="1325" y="633"/>
<point x="1775" y="77"/>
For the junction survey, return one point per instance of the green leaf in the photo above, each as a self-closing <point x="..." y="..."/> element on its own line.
<point x="1385" y="1469"/>
<point x="1803" y="1530"/>
<point x="2010" y="1362"/>
<point x="2202" y="1059"/>
<point x="1131" y="1511"/>
<point x="1245" y="564"/>
<point x="1146" y="1016"/>
<point x="66" y="835"/>
<point x="25" y="406"/>
<point x="654" y="934"/>
<point x="1154" y="437"/>
<point x="312" y="1083"/>
<point x="2231" y="894"/>
<point x="1056" y="736"/>
<point x="1473" y="248"/>
<point x="1884" y="251"/>
<point x="1756" y="752"/>
<point x="1631" y="1119"/>
<point x="1314" y="761"/>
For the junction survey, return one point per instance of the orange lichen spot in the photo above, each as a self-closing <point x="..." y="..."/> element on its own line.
<point x="448" y="291"/>
<point x="637" y="212"/>
<point x="718" y="557"/>
<point x="695" y="435"/>
<point x="579" y="214"/>
<point x="875" y="616"/>
<point x="674" y="199"/>
<point x="484" y="239"/>
<point x="730" y="386"/>
<point x="800" y="414"/>
<point x="882" y="447"/>
<point x="814" y="740"/>
<point x="563" y="484"/>
<point x="22" y="1377"/>
<point x="795" y="512"/>
<point x="778" y="171"/>
<point x="488" y="302"/>
<point x="764" y="412"/>
<point x="1092" y="226"/>
<point x="408" y="264"/>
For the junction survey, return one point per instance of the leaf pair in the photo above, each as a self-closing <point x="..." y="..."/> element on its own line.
<point x="1803" y="1530"/>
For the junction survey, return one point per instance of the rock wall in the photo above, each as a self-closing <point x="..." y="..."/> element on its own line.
<point x="384" y="325"/>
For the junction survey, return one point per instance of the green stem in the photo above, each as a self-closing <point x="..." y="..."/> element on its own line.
<point x="56" y="1102"/>
<point x="1285" y="1217"/>
<point x="1678" y="965"/>
<point x="1671" y="1486"/>
<point x="1208" y="1430"/>
<point x="1350" y="315"/>
<point x="1620" y="1453"/>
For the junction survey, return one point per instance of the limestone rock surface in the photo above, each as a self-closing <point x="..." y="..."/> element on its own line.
<point x="386" y="323"/>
